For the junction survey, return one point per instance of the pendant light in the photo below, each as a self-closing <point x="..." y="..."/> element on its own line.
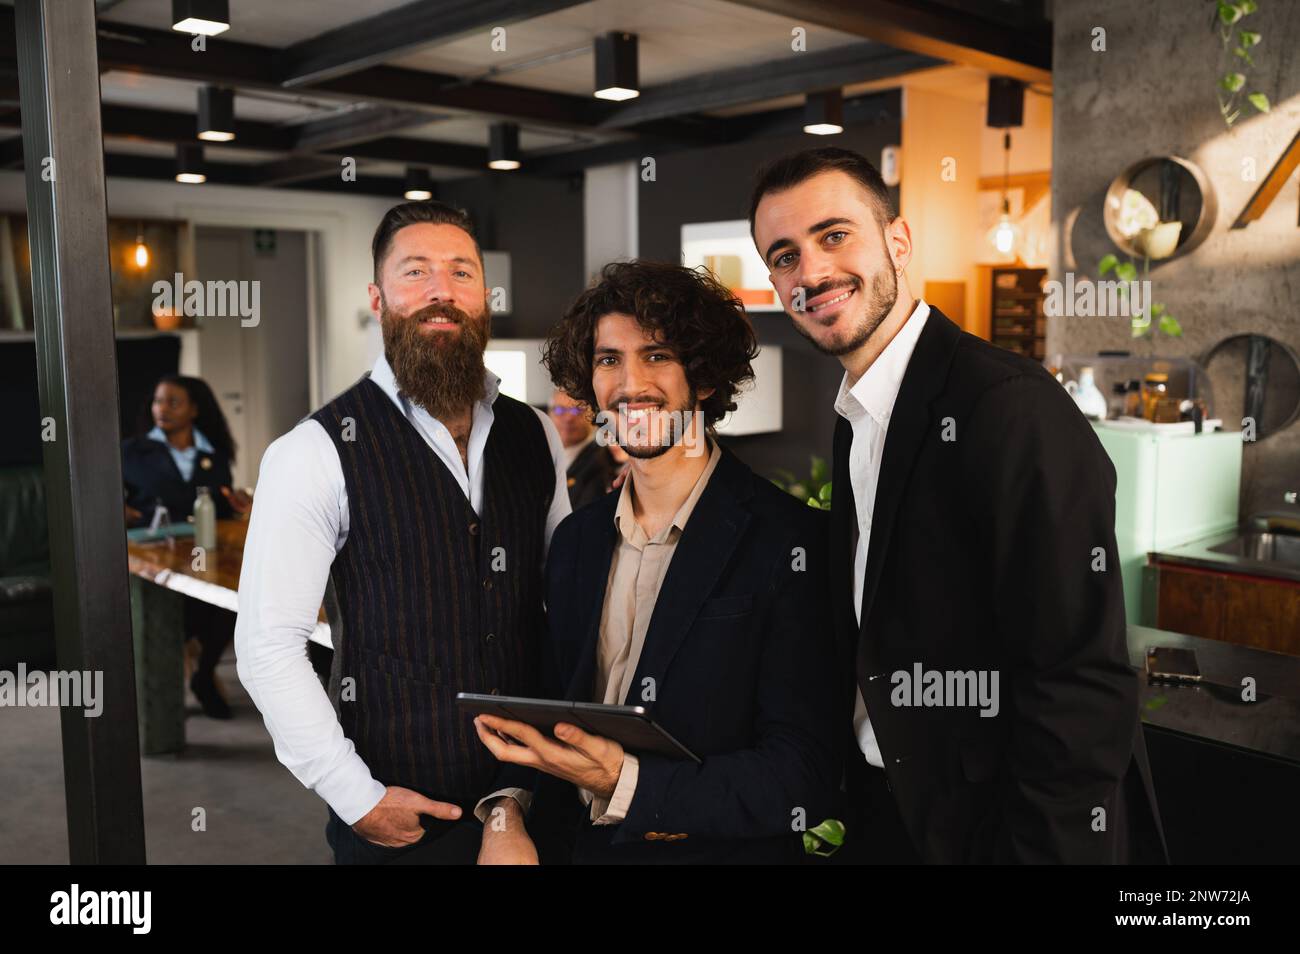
<point x="1005" y="236"/>
<point x="216" y="114"/>
<point x="823" y="113"/>
<point x="616" y="67"/>
<point x="503" y="146"/>
<point x="141" y="254"/>
<point x="189" y="163"/>
<point x="419" y="186"/>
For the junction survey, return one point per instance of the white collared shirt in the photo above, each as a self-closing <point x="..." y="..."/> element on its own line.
<point x="867" y="405"/>
<point x="298" y="525"/>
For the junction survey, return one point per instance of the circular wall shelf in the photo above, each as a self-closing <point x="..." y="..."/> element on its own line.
<point x="1180" y="192"/>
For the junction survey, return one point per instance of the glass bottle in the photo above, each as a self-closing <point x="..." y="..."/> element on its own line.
<point x="205" y="519"/>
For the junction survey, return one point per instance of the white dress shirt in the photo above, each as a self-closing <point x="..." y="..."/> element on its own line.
<point x="867" y="406"/>
<point x="299" y="523"/>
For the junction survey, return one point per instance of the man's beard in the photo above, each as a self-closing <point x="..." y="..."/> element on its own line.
<point x="443" y="372"/>
<point x="876" y="304"/>
<point x="662" y="435"/>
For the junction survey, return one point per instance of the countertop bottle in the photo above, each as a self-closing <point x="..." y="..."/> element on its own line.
<point x="205" y="519"/>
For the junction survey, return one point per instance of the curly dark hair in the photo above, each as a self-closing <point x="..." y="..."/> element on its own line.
<point x="687" y="310"/>
<point x="210" y="420"/>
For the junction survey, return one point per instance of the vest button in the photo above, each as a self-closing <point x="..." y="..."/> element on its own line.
<point x="489" y="637"/>
<point x="473" y="529"/>
<point x="487" y="584"/>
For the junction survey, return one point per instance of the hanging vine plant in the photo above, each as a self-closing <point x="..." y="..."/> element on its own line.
<point x="1238" y="42"/>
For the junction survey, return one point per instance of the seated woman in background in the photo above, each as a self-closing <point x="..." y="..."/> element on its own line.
<point x="189" y="446"/>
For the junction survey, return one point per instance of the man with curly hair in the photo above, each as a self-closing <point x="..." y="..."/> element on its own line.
<point x="696" y="591"/>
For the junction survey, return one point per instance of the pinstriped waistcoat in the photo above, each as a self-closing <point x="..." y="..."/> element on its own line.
<point x="428" y="598"/>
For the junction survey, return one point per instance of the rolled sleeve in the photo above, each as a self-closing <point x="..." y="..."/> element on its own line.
<point x="615" y="810"/>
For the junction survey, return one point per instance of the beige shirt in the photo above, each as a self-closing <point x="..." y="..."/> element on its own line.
<point x="636" y="574"/>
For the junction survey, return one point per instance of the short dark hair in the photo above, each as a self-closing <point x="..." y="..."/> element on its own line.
<point x="685" y="309"/>
<point x="411" y="213"/>
<point x="788" y="171"/>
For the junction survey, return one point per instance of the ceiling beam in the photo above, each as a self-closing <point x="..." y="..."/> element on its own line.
<point x="384" y="37"/>
<point x="426" y="152"/>
<point x="168" y="126"/>
<point x="252" y="66"/>
<point x="1019" y="46"/>
<point x="799" y="73"/>
<point x="867" y="109"/>
<point x="248" y="65"/>
<point x="164" y="169"/>
<point x="296" y="169"/>
<point x="160" y="125"/>
<point x="357" y="125"/>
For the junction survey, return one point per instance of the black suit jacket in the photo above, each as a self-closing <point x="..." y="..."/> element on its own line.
<point x="590" y="475"/>
<point x="740" y="653"/>
<point x="995" y="506"/>
<point x="149" y="474"/>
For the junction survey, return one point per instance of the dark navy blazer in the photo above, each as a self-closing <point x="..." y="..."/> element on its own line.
<point x="150" y="474"/>
<point x="739" y="655"/>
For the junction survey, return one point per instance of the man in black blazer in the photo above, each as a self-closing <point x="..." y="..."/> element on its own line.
<point x="590" y="467"/>
<point x="976" y="586"/>
<point x="697" y="591"/>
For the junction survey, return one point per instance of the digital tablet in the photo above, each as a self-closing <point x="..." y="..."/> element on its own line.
<point x="629" y="726"/>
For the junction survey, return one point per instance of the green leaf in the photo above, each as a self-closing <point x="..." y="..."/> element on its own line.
<point x="1169" y="325"/>
<point x="799" y="490"/>
<point x="1247" y="38"/>
<point x="819" y="472"/>
<point x="1244" y="55"/>
<point x="1228" y="13"/>
<point x="824" y="495"/>
<point x="1106" y="264"/>
<point x="1233" y="81"/>
<point x="1126" y="271"/>
<point x="1259" y="101"/>
<point x="812" y="502"/>
<point x="1246" y="7"/>
<point x="825" y="839"/>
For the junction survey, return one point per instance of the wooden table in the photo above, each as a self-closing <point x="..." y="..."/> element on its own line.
<point x="163" y="574"/>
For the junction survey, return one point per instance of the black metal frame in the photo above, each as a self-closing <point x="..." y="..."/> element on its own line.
<point x="77" y="374"/>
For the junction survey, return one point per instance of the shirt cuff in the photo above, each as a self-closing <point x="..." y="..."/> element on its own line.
<point x="351" y="790"/>
<point x="616" y="809"/>
<point x="520" y="795"/>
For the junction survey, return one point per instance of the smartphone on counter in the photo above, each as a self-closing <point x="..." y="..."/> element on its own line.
<point x="1165" y="664"/>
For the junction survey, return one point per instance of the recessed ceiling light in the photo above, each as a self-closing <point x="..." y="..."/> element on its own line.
<point x="208" y="17"/>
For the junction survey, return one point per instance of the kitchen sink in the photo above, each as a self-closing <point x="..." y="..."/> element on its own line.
<point x="1263" y="547"/>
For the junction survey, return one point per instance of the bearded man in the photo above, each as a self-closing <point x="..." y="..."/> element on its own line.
<point x="419" y="504"/>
